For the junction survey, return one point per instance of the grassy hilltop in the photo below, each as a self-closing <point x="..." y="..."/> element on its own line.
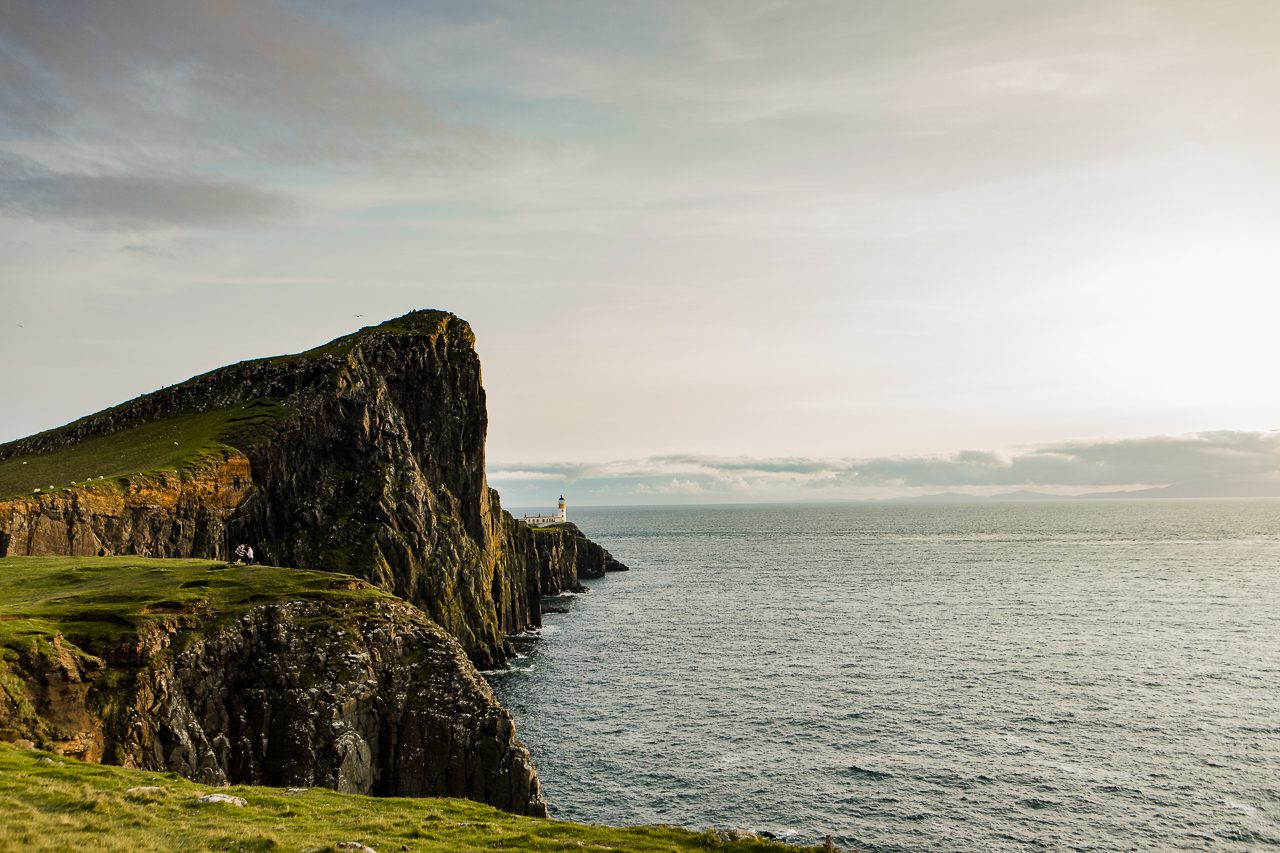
<point x="80" y="606"/>
<point x="83" y="608"/>
<point x="52" y="607"/>
<point x="177" y="443"/>
<point x="95" y="602"/>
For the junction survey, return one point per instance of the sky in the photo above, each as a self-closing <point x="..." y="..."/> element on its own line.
<point x="712" y="251"/>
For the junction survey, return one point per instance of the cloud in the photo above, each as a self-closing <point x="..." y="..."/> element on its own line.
<point x="130" y="201"/>
<point x="1205" y="458"/>
<point x="145" y="112"/>
<point x="240" y="69"/>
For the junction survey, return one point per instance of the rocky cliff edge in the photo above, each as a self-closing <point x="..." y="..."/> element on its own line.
<point x="365" y="455"/>
<point x="250" y="675"/>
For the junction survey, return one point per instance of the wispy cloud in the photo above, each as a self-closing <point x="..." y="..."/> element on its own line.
<point x="256" y="72"/>
<point x="752" y="226"/>
<point x="130" y="201"/>
<point x="1220" y="457"/>
<point x="141" y="113"/>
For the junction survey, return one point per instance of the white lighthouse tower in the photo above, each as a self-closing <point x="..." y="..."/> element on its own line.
<point x="560" y="517"/>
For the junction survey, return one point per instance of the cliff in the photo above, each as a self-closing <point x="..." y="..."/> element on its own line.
<point x="564" y="554"/>
<point x="162" y="514"/>
<point x="365" y="455"/>
<point x="250" y="675"/>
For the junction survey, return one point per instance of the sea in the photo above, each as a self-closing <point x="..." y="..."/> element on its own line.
<point x="920" y="677"/>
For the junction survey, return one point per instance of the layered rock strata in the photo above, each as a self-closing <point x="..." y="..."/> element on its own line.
<point x="366" y="456"/>
<point x="154" y="515"/>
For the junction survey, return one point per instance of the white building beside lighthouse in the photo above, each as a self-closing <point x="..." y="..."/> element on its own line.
<point x="543" y="520"/>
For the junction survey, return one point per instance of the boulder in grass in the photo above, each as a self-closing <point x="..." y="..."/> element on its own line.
<point x="212" y="799"/>
<point x="145" y="793"/>
<point x="725" y="835"/>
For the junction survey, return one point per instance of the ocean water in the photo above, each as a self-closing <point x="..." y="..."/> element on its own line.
<point x="1059" y="676"/>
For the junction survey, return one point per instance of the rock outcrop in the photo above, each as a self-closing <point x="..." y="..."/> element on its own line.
<point x="158" y="515"/>
<point x="564" y="554"/>
<point x="364" y="456"/>
<point x="361" y="693"/>
<point x="373" y="464"/>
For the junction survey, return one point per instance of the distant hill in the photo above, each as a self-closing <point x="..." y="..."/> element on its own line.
<point x="964" y="497"/>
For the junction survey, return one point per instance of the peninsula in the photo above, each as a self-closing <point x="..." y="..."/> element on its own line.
<point x="127" y="638"/>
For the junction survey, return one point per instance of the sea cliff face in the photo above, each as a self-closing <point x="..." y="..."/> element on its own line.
<point x="376" y="468"/>
<point x="364" y="456"/>
<point x="355" y="691"/>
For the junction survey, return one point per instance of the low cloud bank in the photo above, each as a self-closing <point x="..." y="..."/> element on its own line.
<point x="130" y="200"/>
<point x="1213" y="462"/>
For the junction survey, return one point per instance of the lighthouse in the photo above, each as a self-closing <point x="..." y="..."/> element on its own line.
<point x="560" y="517"/>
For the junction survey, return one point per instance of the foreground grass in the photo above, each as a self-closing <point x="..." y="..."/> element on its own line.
<point x="175" y="444"/>
<point x="52" y="803"/>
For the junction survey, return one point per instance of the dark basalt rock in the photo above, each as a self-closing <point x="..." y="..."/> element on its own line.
<point x="377" y="470"/>
<point x="365" y="697"/>
<point x="374" y="466"/>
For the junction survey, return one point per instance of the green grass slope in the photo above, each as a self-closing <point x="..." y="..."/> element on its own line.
<point x="182" y="441"/>
<point x="55" y="803"/>
<point x="97" y="600"/>
<point x="179" y="444"/>
<point x="85" y="606"/>
<point x="49" y="803"/>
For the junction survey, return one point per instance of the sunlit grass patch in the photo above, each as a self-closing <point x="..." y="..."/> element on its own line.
<point x="173" y="445"/>
<point x="61" y="804"/>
